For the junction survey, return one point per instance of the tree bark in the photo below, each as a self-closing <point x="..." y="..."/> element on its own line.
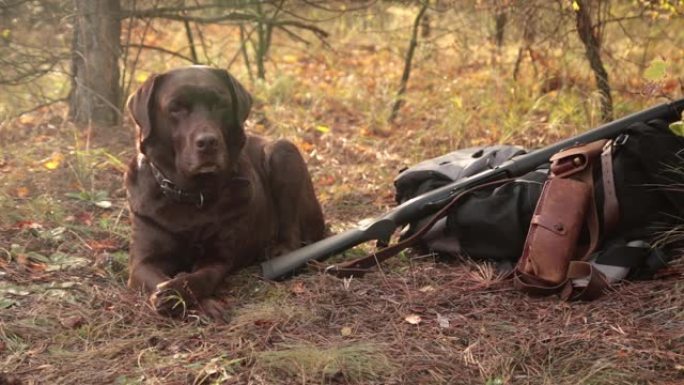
<point x="592" y="48"/>
<point x="95" y="93"/>
<point x="500" y="19"/>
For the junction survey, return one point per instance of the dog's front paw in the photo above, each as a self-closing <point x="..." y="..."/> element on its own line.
<point x="214" y="309"/>
<point x="172" y="298"/>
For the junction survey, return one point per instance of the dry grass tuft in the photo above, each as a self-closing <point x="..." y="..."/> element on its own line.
<point x="359" y="363"/>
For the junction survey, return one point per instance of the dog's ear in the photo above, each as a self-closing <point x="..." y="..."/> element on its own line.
<point x="140" y="106"/>
<point x="243" y="100"/>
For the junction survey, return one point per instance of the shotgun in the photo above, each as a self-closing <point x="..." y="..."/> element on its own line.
<point x="381" y="229"/>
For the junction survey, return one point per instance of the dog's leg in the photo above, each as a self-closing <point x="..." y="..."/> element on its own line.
<point x="300" y="218"/>
<point x="151" y="259"/>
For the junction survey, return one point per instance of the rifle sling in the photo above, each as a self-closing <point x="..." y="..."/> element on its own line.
<point x="360" y="266"/>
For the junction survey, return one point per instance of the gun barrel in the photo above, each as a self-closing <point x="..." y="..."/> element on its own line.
<point x="430" y="202"/>
<point x="288" y="263"/>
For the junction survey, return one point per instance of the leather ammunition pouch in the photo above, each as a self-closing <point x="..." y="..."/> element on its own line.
<point x="552" y="256"/>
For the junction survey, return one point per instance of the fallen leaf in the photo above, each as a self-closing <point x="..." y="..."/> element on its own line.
<point x="442" y="321"/>
<point x="72" y="322"/>
<point x="54" y="161"/>
<point x="63" y="261"/>
<point x="413" y="319"/>
<point x="323" y="128"/>
<point x="305" y="146"/>
<point x="28" y="119"/>
<point x="23" y="225"/>
<point x="677" y="128"/>
<point x="326" y="180"/>
<point x="426" y="289"/>
<point x="457" y="102"/>
<point x="289" y="58"/>
<point x="656" y="70"/>
<point x="298" y="287"/>
<point x="85" y="217"/>
<point x="5" y="304"/>
<point x="103" y="245"/>
<point x="22" y="192"/>
<point x="104" y="204"/>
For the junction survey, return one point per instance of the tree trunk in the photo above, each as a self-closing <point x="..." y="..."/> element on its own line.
<point x="95" y="93"/>
<point x="592" y="47"/>
<point x="500" y="20"/>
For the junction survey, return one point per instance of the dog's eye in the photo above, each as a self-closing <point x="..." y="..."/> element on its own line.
<point x="178" y="108"/>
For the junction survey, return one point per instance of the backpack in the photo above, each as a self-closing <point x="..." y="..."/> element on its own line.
<point x="503" y="203"/>
<point x="542" y="222"/>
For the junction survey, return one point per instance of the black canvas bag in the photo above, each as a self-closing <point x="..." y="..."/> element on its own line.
<point x="502" y="203"/>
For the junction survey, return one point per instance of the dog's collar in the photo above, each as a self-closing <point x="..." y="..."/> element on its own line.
<point x="170" y="189"/>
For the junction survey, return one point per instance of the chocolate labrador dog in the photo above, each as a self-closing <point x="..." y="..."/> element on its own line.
<point x="205" y="197"/>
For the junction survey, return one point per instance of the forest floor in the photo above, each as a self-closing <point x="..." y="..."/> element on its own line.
<point x="67" y="317"/>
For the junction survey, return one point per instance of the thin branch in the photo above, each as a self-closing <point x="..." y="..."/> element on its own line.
<point x="160" y="49"/>
<point x="191" y="42"/>
<point x="320" y="33"/>
<point x="148" y="23"/>
<point x="151" y="12"/>
<point x="243" y="48"/>
<point x="124" y="69"/>
<point x="38" y="107"/>
<point x="234" y="16"/>
<point x="399" y="100"/>
<point x="203" y="43"/>
<point x="294" y="36"/>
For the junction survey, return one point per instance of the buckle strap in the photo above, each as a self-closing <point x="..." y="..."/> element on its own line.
<point x="611" y="205"/>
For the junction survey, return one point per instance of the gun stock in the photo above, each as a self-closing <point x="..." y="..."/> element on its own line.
<point x="382" y="229"/>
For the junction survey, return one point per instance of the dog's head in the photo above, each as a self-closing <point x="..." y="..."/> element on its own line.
<point x="190" y="121"/>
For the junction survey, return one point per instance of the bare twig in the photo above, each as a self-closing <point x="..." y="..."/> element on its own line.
<point x="191" y="42"/>
<point x="398" y="100"/>
<point x="38" y="107"/>
<point x="244" y="38"/>
<point x="134" y="66"/>
<point x="161" y="49"/>
<point x="233" y="17"/>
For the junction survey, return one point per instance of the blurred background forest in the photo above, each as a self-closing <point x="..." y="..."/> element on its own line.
<point x="364" y="88"/>
<point x="91" y="54"/>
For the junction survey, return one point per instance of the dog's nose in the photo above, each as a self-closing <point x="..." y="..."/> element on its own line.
<point x="206" y="142"/>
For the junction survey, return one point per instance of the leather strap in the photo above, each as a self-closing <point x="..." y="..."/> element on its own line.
<point x="596" y="284"/>
<point x="611" y="206"/>
<point x="536" y="286"/>
<point x="587" y="176"/>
